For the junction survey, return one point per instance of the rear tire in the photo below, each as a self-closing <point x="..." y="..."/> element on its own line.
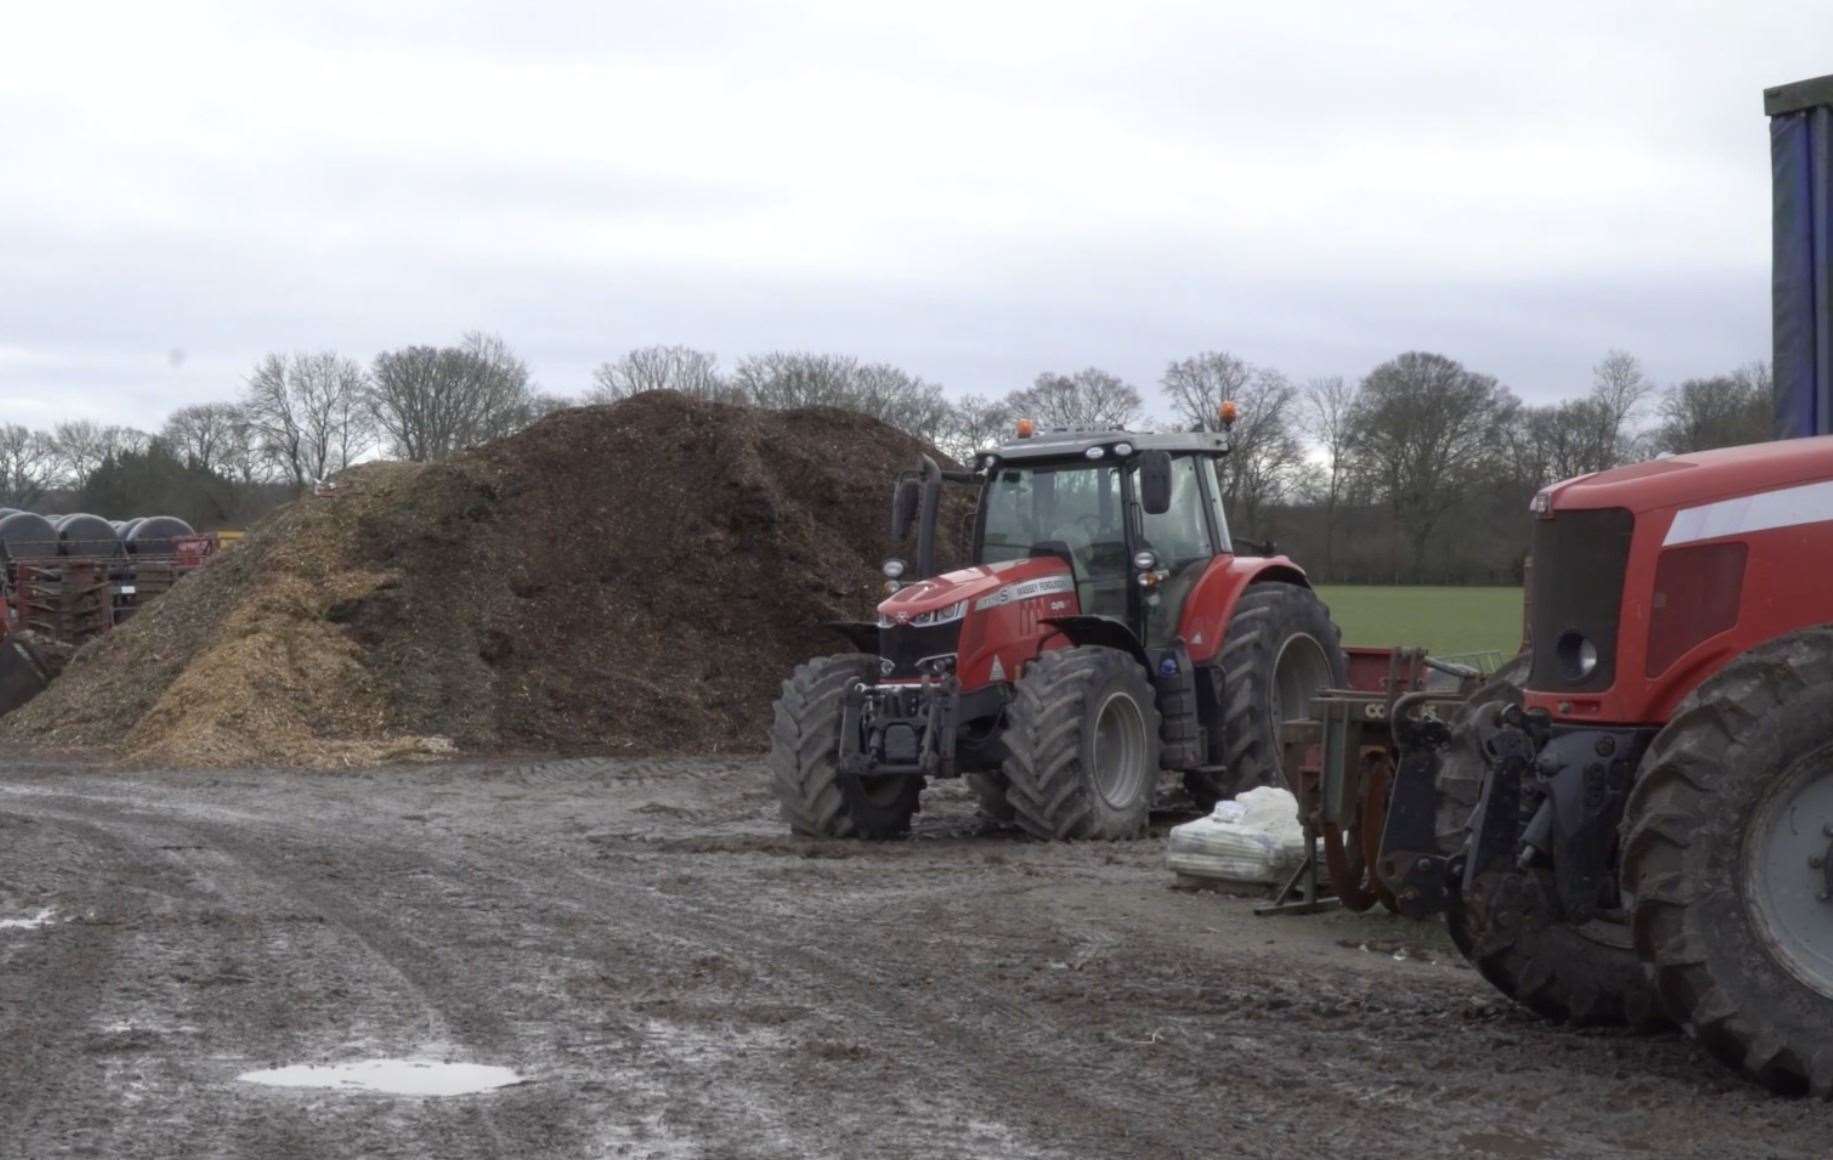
<point x="1082" y="746"/>
<point x="1507" y="926"/>
<point x="1725" y="826"/>
<point x="817" y="800"/>
<point x="1279" y="649"/>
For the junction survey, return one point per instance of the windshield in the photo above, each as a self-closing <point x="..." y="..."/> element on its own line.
<point x="1070" y="511"/>
<point x="1075" y="511"/>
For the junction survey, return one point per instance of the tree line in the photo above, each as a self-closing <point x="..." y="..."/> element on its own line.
<point x="1419" y="471"/>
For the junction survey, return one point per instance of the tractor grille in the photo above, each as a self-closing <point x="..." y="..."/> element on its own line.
<point x="1579" y="561"/>
<point x="905" y="646"/>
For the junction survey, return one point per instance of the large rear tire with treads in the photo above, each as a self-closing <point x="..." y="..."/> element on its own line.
<point x="1730" y="836"/>
<point x="1279" y="649"/>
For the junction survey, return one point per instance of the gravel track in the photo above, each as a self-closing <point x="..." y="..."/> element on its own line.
<point x="674" y="976"/>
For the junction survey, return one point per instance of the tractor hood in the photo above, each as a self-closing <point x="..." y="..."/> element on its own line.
<point x="936" y="599"/>
<point x="1700" y="477"/>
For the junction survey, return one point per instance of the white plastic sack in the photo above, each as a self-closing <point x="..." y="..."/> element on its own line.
<point x="1255" y="838"/>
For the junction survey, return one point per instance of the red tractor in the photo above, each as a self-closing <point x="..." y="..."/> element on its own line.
<point x="1643" y="829"/>
<point x="1106" y="631"/>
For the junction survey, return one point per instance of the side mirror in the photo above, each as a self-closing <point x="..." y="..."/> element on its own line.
<point x="1155" y="482"/>
<point x="904" y="502"/>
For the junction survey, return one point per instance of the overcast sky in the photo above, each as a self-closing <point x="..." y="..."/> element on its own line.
<point x="974" y="191"/>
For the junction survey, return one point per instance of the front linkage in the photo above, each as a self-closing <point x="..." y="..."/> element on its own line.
<point x="899" y="730"/>
<point x="1552" y="794"/>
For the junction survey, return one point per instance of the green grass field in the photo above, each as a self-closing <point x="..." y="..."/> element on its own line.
<point x="1445" y="620"/>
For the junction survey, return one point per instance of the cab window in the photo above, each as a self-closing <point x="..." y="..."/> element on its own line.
<point x="1181" y="535"/>
<point x="1075" y="512"/>
<point x="1214" y="483"/>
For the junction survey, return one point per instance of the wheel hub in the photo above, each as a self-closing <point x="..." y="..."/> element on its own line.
<point x="1119" y="750"/>
<point x="1300" y="670"/>
<point x="1788" y="871"/>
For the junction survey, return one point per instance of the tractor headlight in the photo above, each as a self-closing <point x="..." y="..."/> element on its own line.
<point x="893" y="568"/>
<point x="1144" y="560"/>
<point x="1578" y="657"/>
<point x="953" y="612"/>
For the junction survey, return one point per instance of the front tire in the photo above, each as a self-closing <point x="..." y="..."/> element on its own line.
<point x="1729" y="833"/>
<point x="1082" y="746"/>
<point x="817" y="801"/>
<point x="1507" y="925"/>
<point x="1279" y="650"/>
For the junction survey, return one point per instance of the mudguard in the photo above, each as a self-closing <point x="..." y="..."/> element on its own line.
<point x="1204" y="619"/>
<point x="1099" y="630"/>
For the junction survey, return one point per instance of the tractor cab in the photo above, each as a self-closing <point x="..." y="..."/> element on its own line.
<point x="1134" y="518"/>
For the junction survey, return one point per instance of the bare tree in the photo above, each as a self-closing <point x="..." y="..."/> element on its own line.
<point x="540" y="406"/>
<point x="783" y="380"/>
<point x="661" y="368"/>
<point x="430" y="402"/>
<point x="81" y="447"/>
<point x="1328" y="417"/>
<point x="205" y="436"/>
<point x="1618" y="389"/>
<point x="242" y="459"/>
<point x="1198" y="385"/>
<point x="1265" y="454"/>
<point x="905" y="401"/>
<point x="1424" y="429"/>
<point x="1576" y="437"/>
<point x="1720" y="411"/>
<point x="976" y="422"/>
<point x="28" y="465"/>
<point x="1090" y="399"/>
<point x="309" y="413"/>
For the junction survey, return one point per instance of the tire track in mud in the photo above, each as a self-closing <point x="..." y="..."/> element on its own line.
<point x="618" y="908"/>
<point x="239" y="872"/>
<point x="745" y="1127"/>
<point x="989" y="1055"/>
<point x="999" y="1054"/>
<point x="251" y="842"/>
<point x="1256" y="1047"/>
<point x="687" y="984"/>
<point x="38" y="1084"/>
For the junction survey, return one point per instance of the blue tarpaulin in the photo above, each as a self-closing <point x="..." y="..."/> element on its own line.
<point x="1801" y="163"/>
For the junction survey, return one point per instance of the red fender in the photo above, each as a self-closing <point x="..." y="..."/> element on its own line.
<point x="1204" y="621"/>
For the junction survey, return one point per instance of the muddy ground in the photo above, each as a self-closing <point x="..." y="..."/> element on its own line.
<point x="676" y="978"/>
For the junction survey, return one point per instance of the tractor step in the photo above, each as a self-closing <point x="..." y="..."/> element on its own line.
<point x="1175" y="679"/>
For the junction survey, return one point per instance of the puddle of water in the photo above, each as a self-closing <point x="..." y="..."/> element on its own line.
<point x="401" y="1077"/>
<point x="42" y="918"/>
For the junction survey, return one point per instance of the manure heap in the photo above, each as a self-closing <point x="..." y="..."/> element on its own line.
<point x="633" y="578"/>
